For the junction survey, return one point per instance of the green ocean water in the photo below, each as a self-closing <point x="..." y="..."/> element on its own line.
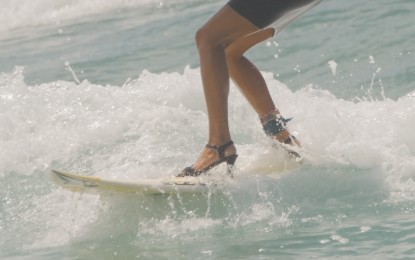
<point x="112" y="88"/>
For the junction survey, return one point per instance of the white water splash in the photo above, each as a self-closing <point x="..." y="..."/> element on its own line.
<point x="333" y="67"/>
<point x="129" y="128"/>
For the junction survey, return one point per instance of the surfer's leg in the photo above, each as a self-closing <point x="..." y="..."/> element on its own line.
<point x="248" y="78"/>
<point x="246" y="75"/>
<point x="234" y="21"/>
<point x="212" y="39"/>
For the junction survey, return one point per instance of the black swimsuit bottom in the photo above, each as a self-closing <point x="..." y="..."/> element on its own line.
<point x="263" y="13"/>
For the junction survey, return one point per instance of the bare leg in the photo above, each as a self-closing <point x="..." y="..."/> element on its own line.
<point x="212" y="39"/>
<point x="248" y="78"/>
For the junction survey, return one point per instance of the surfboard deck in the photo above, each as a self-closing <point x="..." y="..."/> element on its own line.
<point x="96" y="185"/>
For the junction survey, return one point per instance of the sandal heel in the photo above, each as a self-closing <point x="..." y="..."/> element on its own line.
<point x="230" y="161"/>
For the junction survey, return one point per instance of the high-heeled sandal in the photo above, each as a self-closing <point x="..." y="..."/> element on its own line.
<point x="273" y="123"/>
<point x="230" y="161"/>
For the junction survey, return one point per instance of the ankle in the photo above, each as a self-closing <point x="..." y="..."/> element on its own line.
<point x="274" y="124"/>
<point x="222" y="149"/>
<point x="219" y="140"/>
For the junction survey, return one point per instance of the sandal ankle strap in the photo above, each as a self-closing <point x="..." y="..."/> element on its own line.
<point x="220" y="149"/>
<point x="273" y="123"/>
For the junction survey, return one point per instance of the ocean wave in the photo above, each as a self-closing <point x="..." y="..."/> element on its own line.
<point x="26" y="13"/>
<point x="128" y="127"/>
<point x="361" y="153"/>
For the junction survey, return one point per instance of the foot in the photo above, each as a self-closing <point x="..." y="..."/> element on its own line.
<point x="211" y="156"/>
<point x="288" y="142"/>
<point x="275" y="127"/>
<point x="286" y="138"/>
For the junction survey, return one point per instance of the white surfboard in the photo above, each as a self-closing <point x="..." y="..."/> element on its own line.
<point x="97" y="185"/>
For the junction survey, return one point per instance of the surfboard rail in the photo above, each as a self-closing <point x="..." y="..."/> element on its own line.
<point x="93" y="184"/>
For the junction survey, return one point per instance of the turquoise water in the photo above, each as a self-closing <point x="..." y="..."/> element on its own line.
<point x="112" y="88"/>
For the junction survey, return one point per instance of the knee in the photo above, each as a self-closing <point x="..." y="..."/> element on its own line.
<point x="205" y="41"/>
<point x="233" y="56"/>
<point x="202" y="39"/>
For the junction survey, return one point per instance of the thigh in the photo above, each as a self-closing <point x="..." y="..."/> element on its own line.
<point x="241" y="45"/>
<point x="263" y="13"/>
<point x="226" y="26"/>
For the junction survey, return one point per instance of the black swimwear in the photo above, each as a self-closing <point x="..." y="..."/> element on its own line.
<point x="263" y="13"/>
